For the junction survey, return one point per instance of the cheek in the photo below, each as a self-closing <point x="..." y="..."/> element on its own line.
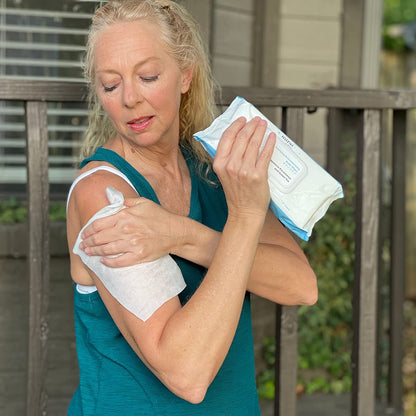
<point x="163" y="99"/>
<point x="110" y="106"/>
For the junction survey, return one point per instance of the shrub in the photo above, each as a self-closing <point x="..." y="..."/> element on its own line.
<point x="14" y="211"/>
<point x="325" y="329"/>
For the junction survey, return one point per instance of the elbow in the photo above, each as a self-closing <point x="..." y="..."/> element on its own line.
<point x="188" y="386"/>
<point x="188" y="392"/>
<point x="193" y="396"/>
<point x="310" y="299"/>
<point x="310" y="295"/>
<point x="186" y="375"/>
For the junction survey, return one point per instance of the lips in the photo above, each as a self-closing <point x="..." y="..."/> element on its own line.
<point x="139" y="124"/>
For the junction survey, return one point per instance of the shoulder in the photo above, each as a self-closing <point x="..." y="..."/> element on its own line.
<point x="88" y="195"/>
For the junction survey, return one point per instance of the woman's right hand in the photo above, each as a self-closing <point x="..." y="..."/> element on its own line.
<point x="142" y="232"/>
<point x="243" y="169"/>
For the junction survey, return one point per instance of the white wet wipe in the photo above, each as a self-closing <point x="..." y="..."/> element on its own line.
<point x="301" y="190"/>
<point x="141" y="288"/>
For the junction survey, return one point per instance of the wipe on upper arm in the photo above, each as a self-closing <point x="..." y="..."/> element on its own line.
<point x="142" y="288"/>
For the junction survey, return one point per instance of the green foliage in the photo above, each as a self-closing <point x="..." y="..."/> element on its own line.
<point x="265" y="384"/>
<point x="393" y="43"/>
<point x="325" y="329"/>
<point x="265" y="380"/>
<point x="57" y="211"/>
<point x="397" y="12"/>
<point x="14" y="211"/>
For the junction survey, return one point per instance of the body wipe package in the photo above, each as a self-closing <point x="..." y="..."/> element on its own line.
<point x="141" y="288"/>
<point x="301" y="190"/>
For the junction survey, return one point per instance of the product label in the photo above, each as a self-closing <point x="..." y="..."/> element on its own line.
<point x="286" y="168"/>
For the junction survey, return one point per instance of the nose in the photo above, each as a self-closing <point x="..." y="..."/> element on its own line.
<point x="131" y="94"/>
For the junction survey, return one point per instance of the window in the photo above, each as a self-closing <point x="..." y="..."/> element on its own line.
<point x="42" y="40"/>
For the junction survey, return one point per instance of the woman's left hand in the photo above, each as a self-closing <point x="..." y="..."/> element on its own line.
<point x="144" y="231"/>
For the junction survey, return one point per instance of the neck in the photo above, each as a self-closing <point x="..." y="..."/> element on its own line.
<point x="158" y="159"/>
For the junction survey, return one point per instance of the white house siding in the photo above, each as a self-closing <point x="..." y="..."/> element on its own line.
<point x="232" y="41"/>
<point x="309" y="44"/>
<point x="309" y="41"/>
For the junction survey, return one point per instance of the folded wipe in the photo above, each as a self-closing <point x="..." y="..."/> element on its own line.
<point x="141" y="288"/>
<point x="301" y="190"/>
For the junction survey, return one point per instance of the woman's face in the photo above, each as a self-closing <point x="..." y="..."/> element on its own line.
<point x="139" y="84"/>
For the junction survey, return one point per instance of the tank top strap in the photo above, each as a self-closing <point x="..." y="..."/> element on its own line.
<point x="139" y="182"/>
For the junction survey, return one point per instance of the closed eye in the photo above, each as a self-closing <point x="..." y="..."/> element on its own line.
<point x="150" y="79"/>
<point x="109" y="89"/>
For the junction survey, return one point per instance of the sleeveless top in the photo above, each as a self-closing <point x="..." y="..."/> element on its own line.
<point x="113" y="379"/>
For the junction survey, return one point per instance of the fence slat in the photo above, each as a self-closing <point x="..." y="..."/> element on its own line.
<point x="398" y="248"/>
<point x="366" y="261"/>
<point x="286" y="360"/>
<point x="38" y="212"/>
<point x="287" y="316"/>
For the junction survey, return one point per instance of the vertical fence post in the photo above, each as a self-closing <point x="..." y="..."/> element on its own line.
<point x="287" y="316"/>
<point x="38" y="213"/>
<point x="384" y="236"/>
<point x="398" y="246"/>
<point x="366" y="262"/>
<point x="333" y="153"/>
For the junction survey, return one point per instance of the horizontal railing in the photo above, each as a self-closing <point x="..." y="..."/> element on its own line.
<point x="370" y="106"/>
<point x="266" y="97"/>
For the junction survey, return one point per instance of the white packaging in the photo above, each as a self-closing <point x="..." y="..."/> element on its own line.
<point x="301" y="190"/>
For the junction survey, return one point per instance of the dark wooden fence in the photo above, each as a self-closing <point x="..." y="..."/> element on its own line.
<point x="370" y="106"/>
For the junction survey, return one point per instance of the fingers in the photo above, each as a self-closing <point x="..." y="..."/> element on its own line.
<point x="227" y="140"/>
<point x="110" y="221"/>
<point x="242" y="166"/>
<point x="131" y="202"/>
<point x="122" y="260"/>
<point x="94" y="248"/>
<point x="251" y="141"/>
<point x="242" y="141"/>
<point x="99" y="225"/>
<point x="248" y="134"/>
<point x="107" y="223"/>
<point x="127" y="259"/>
<point x="267" y="152"/>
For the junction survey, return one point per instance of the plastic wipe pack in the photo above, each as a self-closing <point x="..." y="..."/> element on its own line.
<point x="301" y="191"/>
<point x="141" y="288"/>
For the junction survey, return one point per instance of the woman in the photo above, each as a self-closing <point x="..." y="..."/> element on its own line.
<point x="150" y="90"/>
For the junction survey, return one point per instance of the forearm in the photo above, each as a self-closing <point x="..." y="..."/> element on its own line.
<point x="198" y="243"/>
<point x="199" y="334"/>
<point x="281" y="274"/>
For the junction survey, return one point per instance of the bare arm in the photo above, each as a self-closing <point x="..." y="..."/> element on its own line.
<point x="185" y="346"/>
<point x="280" y="273"/>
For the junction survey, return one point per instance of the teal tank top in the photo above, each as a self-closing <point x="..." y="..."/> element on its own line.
<point x="113" y="379"/>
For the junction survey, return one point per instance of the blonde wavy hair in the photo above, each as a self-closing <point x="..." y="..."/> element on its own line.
<point x="180" y="33"/>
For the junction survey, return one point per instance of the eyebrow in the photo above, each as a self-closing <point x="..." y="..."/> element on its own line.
<point x="138" y="65"/>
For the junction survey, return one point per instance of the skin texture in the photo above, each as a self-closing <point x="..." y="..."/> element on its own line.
<point x="140" y="86"/>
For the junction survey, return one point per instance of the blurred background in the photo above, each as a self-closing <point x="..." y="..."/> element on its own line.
<point x="289" y="44"/>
